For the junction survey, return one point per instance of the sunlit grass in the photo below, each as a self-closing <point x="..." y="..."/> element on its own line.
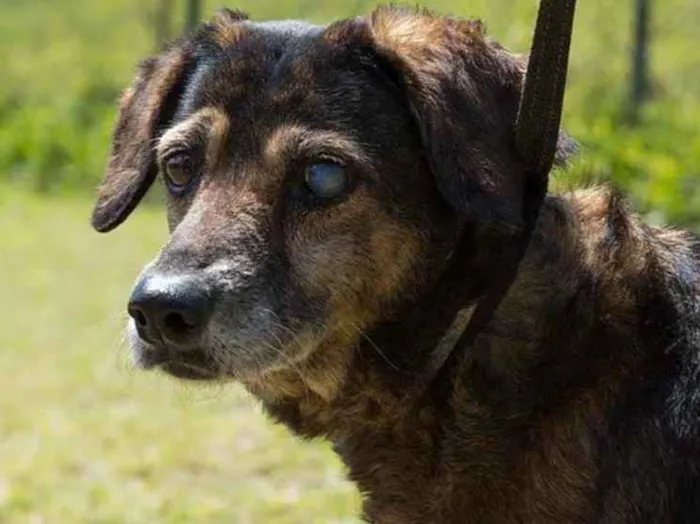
<point x="84" y="438"/>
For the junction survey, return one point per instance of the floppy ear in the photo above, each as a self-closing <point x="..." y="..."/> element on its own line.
<point x="145" y="107"/>
<point x="464" y="91"/>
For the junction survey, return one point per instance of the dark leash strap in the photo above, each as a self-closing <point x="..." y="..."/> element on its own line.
<point x="536" y="135"/>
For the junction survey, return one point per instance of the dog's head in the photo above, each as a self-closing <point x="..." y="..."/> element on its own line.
<point x="318" y="178"/>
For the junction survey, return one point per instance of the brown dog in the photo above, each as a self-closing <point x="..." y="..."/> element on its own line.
<point x="336" y="199"/>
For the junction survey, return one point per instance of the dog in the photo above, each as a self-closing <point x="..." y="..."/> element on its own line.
<point x="338" y="197"/>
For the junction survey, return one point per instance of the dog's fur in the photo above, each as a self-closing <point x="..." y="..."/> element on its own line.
<point x="579" y="400"/>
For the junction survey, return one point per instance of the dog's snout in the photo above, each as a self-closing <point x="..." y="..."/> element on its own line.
<point x="172" y="309"/>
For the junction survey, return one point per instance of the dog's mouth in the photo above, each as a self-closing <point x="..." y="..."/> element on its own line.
<point x="187" y="371"/>
<point x="193" y="364"/>
<point x="223" y="351"/>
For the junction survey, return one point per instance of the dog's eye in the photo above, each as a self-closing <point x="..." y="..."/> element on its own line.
<point x="326" y="179"/>
<point x="179" y="170"/>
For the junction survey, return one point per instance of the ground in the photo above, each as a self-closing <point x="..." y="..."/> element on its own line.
<point x="84" y="437"/>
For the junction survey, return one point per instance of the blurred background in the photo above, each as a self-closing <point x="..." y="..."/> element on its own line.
<point x="85" y="438"/>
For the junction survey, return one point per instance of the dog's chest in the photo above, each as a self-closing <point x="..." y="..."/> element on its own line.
<point x="413" y="477"/>
<point x="423" y="477"/>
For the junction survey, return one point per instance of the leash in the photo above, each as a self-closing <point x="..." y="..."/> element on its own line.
<point x="535" y="139"/>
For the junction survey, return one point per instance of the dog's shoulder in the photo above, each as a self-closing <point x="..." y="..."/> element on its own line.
<point x="620" y="242"/>
<point x="649" y="280"/>
<point x="651" y="274"/>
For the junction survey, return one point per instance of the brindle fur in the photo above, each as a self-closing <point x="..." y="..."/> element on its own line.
<point x="579" y="400"/>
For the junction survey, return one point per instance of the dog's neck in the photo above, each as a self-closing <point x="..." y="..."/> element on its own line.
<point x="395" y="366"/>
<point x="391" y="372"/>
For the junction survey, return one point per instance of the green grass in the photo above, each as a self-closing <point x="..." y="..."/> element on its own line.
<point x="85" y="438"/>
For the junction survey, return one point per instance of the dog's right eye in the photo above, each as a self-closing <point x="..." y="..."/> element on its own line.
<point x="326" y="179"/>
<point x="179" y="171"/>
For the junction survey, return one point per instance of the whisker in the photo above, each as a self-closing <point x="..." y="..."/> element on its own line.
<point x="364" y="335"/>
<point x="277" y="322"/>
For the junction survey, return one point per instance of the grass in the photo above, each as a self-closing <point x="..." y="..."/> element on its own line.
<point x="84" y="438"/>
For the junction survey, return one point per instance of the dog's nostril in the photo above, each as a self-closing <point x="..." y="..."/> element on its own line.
<point x="139" y="317"/>
<point x="178" y="322"/>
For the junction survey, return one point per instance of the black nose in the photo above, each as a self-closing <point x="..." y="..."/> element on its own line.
<point x="172" y="309"/>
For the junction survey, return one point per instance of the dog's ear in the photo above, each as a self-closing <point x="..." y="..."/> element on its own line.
<point x="464" y="91"/>
<point x="145" y="107"/>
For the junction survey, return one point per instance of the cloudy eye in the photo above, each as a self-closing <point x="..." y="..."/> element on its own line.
<point x="326" y="179"/>
<point x="179" y="170"/>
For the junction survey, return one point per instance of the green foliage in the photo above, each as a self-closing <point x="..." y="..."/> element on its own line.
<point x="657" y="163"/>
<point x="67" y="61"/>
